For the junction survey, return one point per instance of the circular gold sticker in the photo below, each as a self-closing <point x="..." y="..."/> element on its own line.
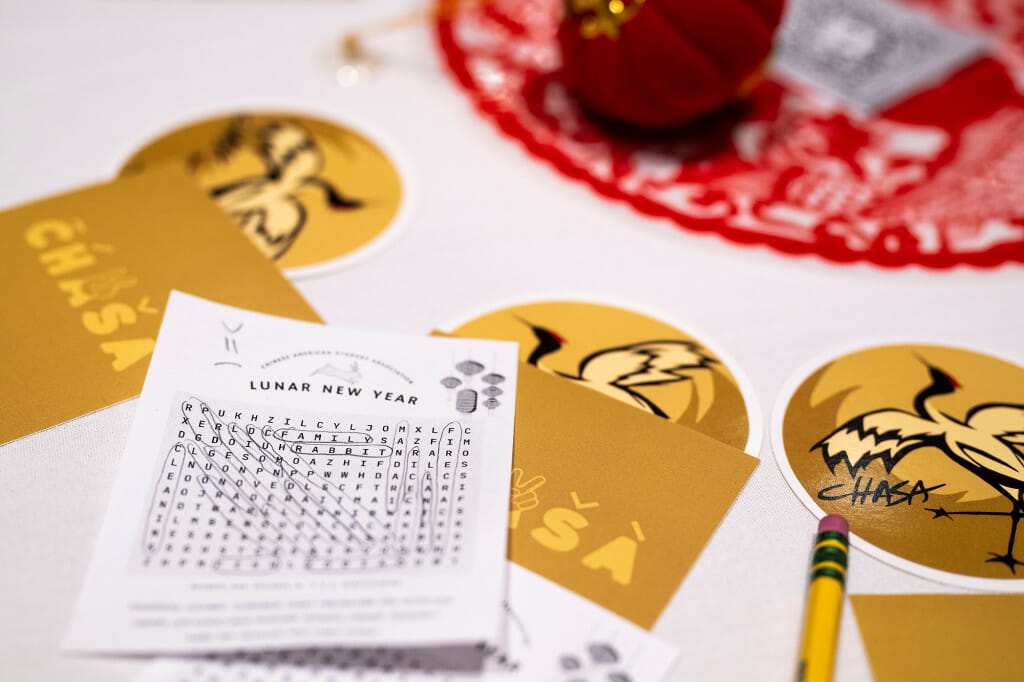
<point x="632" y="357"/>
<point x="921" y="448"/>
<point x="308" y="193"/>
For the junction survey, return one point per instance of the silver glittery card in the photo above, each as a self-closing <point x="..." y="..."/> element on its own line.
<point x="869" y="54"/>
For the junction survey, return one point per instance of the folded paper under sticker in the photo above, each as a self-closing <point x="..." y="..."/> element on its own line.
<point x="304" y="485"/>
<point x="87" y="276"/>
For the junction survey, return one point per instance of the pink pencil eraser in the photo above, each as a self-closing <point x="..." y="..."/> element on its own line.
<point x="834" y="522"/>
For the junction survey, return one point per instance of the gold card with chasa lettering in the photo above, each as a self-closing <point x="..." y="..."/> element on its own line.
<point x="941" y="637"/>
<point x="87" y="275"/>
<point x="609" y="502"/>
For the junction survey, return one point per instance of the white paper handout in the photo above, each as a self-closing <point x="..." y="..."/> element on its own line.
<point x="551" y="635"/>
<point x="288" y="484"/>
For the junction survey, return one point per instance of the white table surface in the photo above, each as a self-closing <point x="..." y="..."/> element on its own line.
<point x="82" y="84"/>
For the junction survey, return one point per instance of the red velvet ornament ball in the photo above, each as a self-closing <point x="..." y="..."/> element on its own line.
<point x="659" y="64"/>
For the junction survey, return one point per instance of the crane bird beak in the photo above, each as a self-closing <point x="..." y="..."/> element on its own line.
<point x="952" y="382"/>
<point x="556" y="336"/>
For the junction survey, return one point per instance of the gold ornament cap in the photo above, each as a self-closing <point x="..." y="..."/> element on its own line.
<point x="602" y="17"/>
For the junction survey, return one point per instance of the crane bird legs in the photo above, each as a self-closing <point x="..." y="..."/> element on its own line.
<point x="1008" y="558"/>
<point x="1015" y="515"/>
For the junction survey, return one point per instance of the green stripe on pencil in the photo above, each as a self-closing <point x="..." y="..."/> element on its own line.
<point x="824" y="601"/>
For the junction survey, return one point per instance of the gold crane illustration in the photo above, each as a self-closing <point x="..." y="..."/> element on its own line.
<point x="619" y="371"/>
<point x="986" y="443"/>
<point x="267" y="207"/>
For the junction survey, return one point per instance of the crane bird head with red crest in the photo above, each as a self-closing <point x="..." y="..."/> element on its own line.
<point x="621" y="371"/>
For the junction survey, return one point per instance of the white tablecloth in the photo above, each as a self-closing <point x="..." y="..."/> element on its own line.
<point x="85" y="83"/>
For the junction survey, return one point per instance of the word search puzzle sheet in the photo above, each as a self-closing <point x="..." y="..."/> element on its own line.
<point x="289" y="484"/>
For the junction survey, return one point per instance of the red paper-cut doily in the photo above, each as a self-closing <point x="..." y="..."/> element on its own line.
<point x="938" y="180"/>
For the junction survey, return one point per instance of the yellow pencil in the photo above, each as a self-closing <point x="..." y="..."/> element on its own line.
<point x="824" y="601"/>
